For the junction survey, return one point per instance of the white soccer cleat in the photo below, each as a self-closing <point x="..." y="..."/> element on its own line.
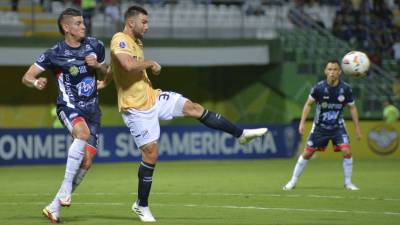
<point x="65" y="201"/>
<point x="289" y="186"/>
<point x="351" y="187"/>
<point x="143" y="213"/>
<point x="53" y="216"/>
<point x="249" y="134"/>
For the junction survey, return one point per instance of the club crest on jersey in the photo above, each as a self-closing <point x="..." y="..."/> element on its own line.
<point x="324" y="105"/>
<point x="340" y="98"/>
<point x="41" y="58"/>
<point x="122" y="44"/>
<point x="88" y="48"/>
<point x="73" y="70"/>
<point x="86" y="87"/>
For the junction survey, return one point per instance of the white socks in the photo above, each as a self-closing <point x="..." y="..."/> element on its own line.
<point x="298" y="169"/>
<point x="347" y="169"/>
<point x="76" y="152"/>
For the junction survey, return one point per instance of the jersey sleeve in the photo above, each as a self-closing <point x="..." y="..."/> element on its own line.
<point x="119" y="44"/>
<point x="349" y="97"/>
<point x="43" y="61"/>
<point x="314" y="93"/>
<point x="100" y="52"/>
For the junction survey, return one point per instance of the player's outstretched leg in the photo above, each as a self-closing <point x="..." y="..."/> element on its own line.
<point x="298" y="169"/>
<point x="216" y="121"/>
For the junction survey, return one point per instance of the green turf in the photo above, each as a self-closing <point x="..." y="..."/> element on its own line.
<point x="211" y="192"/>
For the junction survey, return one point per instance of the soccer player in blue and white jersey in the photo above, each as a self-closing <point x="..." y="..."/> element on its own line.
<point x="331" y="96"/>
<point x="77" y="63"/>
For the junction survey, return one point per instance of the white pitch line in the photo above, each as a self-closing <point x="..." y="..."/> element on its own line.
<point x="280" y="209"/>
<point x="220" y="207"/>
<point x="217" y="194"/>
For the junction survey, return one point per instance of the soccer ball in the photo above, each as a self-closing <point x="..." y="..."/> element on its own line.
<point x="355" y="63"/>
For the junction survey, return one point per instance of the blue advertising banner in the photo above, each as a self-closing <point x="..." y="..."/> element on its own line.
<point x="44" y="146"/>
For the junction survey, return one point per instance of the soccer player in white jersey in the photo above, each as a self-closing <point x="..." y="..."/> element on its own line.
<point x="331" y="96"/>
<point x="77" y="63"/>
<point x="142" y="106"/>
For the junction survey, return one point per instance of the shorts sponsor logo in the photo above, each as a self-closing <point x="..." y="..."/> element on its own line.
<point x="383" y="139"/>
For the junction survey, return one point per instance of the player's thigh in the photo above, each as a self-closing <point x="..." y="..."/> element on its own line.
<point x="341" y="141"/>
<point x="170" y="105"/>
<point x="74" y="121"/>
<point x="316" y="141"/>
<point x="143" y="125"/>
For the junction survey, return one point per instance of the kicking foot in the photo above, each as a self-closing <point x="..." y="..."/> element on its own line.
<point x="143" y="213"/>
<point x="351" y="187"/>
<point x="289" y="186"/>
<point x="249" y="134"/>
<point x="53" y="216"/>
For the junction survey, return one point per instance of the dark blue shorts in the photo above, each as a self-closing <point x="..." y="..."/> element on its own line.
<point x="69" y="117"/>
<point x="319" y="139"/>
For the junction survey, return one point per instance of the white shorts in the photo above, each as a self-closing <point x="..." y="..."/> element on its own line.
<point x="145" y="126"/>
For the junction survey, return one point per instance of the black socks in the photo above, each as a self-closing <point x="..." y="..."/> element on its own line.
<point x="216" y="121"/>
<point x="145" y="176"/>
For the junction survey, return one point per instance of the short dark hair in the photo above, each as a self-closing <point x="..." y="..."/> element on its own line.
<point x="134" y="11"/>
<point x="67" y="13"/>
<point x="334" y="61"/>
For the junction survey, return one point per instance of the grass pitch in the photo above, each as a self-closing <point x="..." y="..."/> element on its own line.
<point x="211" y="192"/>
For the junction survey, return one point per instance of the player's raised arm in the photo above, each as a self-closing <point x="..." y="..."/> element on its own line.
<point x="306" y="110"/>
<point x="30" y="78"/>
<point x="354" y="117"/>
<point x="132" y="65"/>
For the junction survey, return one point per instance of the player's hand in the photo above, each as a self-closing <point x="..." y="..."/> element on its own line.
<point x="301" y="128"/>
<point x="155" y="68"/>
<point x="40" y="83"/>
<point x="91" y="60"/>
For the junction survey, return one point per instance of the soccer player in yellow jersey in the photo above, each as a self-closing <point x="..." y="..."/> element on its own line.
<point x="142" y="106"/>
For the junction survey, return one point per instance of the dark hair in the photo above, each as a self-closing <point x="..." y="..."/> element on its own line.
<point x="134" y="11"/>
<point x="335" y="61"/>
<point x="70" y="12"/>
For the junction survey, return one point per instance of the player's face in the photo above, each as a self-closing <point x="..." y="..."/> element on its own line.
<point x="75" y="27"/>
<point x="332" y="72"/>
<point x="141" y="25"/>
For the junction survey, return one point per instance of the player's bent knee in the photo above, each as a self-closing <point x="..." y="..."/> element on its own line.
<point x="149" y="153"/>
<point x="193" y="109"/>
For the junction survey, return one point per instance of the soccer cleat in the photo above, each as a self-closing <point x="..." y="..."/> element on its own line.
<point x="51" y="215"/>
<point x="289" y="186"/>
<point x="351" y="187"/>
<point x="65" y="201"/>
<point x="249" y="134"/>
<point x="143" y="213"/>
